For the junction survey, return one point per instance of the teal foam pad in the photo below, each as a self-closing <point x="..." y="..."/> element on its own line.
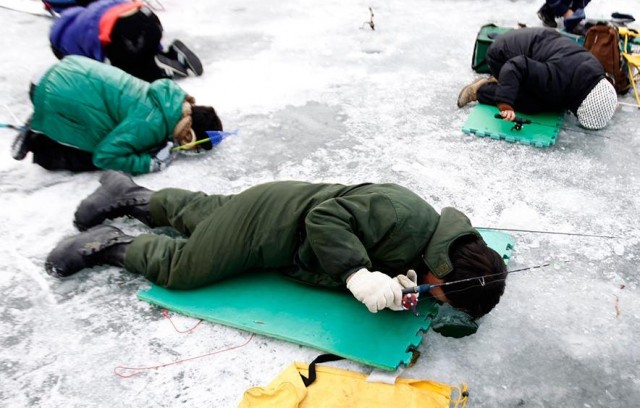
<point x="542" y="133"/>
<point x="270" y="304"/>
<point x="502" y="243"/>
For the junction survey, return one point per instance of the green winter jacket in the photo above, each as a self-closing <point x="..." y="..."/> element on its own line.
<point x="101" y="109"/>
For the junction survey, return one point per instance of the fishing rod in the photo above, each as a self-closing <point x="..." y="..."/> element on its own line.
<point x="10" y="126"/>
<point x="15" y="119"/>
<point x="577" y="234"/>
<point x="410" y="295"/>
<point x="424" y="288"/>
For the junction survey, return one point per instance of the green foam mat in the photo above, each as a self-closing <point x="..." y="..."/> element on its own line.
<point x="542" y="132"/>
<point x="499" y="241"/>
<point x="332" y="321"/>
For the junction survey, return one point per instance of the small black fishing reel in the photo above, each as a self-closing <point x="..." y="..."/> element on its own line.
<point x="518" y="122"/>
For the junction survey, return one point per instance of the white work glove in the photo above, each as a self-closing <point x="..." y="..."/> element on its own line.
<point x="409" y="280"/>
<point x="376" y="290"/>
<point x="163" y="158"/>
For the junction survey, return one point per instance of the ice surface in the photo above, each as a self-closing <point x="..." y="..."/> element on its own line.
<point x="316" y="95"/>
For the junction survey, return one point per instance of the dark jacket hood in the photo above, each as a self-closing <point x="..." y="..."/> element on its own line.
<point x="452" y="225"/>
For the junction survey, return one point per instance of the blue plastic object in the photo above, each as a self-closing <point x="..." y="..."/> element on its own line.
<point x="217" y="136"/>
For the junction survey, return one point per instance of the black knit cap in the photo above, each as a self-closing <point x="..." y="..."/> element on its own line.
<point x="204" y="118"/>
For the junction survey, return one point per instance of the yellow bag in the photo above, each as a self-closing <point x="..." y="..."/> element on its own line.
<point x="341" y="388"/>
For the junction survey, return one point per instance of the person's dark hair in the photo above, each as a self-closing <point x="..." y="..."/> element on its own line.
<point x="471" y="257"/>
<point x="204" y="118"/>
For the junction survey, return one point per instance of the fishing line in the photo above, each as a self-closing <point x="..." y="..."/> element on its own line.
<point x="15" y="119"/>
<point x="578" y="234"/>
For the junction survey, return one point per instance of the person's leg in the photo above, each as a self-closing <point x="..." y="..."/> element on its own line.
<point x="470" y="92"/>
<point x="119" y="196"/>
<point x="487" y="93"/>
<point x="182" y="209"/>
<point x="579" y="4"/>
<point x="559" y="7"/>
<point x="135" y="40"/>
<point x="55" y="156"/>
<point x="214" y="250"/>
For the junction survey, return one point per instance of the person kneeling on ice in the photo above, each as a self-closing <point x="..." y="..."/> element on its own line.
<point x="89" y="115"/>
<point x="372" y="239"/>
<point x="539" y="70"/>
<point x="126" y="34"/>
<point x="571" y="11"/>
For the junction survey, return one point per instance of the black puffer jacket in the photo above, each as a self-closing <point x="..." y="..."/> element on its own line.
<point x="544" y="64"/>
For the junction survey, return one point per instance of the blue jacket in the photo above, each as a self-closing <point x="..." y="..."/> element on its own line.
<point x="77" y="30"/>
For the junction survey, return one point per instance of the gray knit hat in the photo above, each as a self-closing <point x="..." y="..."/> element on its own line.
<point x="598" y="107"/>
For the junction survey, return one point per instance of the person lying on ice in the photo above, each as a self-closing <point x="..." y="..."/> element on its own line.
<point x="539" y="70"/>
<point x="126" y="34"/>
<point x="367" y="238"/>
<point x="89" y="115"/>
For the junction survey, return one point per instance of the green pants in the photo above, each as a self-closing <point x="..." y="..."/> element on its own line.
<point x="201" y="259"/>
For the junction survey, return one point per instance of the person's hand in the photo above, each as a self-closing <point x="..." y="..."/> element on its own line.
<point x="163" y="158"/>
<point x="410" y="280"/>
<point x="508" y="115"/>
<point x="376" y="290"/>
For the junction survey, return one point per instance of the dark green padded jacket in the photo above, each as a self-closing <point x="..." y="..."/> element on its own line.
<point x="101" y="109"/>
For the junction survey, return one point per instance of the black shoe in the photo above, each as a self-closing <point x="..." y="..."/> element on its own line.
<point x="186" y="57"/>
<point x="87" y="249"/>
<point x="21" y="144"/>
<point x="545" y="14"/>
<point x="172" y="67"/>
<point x="117" y="196"/>
<point x="622" y="19"/>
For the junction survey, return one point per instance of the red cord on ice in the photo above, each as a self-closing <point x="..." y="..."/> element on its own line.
<point x="165" y="313"/>
<point x="115" y="370"/>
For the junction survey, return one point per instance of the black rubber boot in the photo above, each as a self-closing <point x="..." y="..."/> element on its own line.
<point x="101" y="245"/>
<point x="172" y="67"/>
<point x="118" y="196"/>
<point x="186" y="57"/>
